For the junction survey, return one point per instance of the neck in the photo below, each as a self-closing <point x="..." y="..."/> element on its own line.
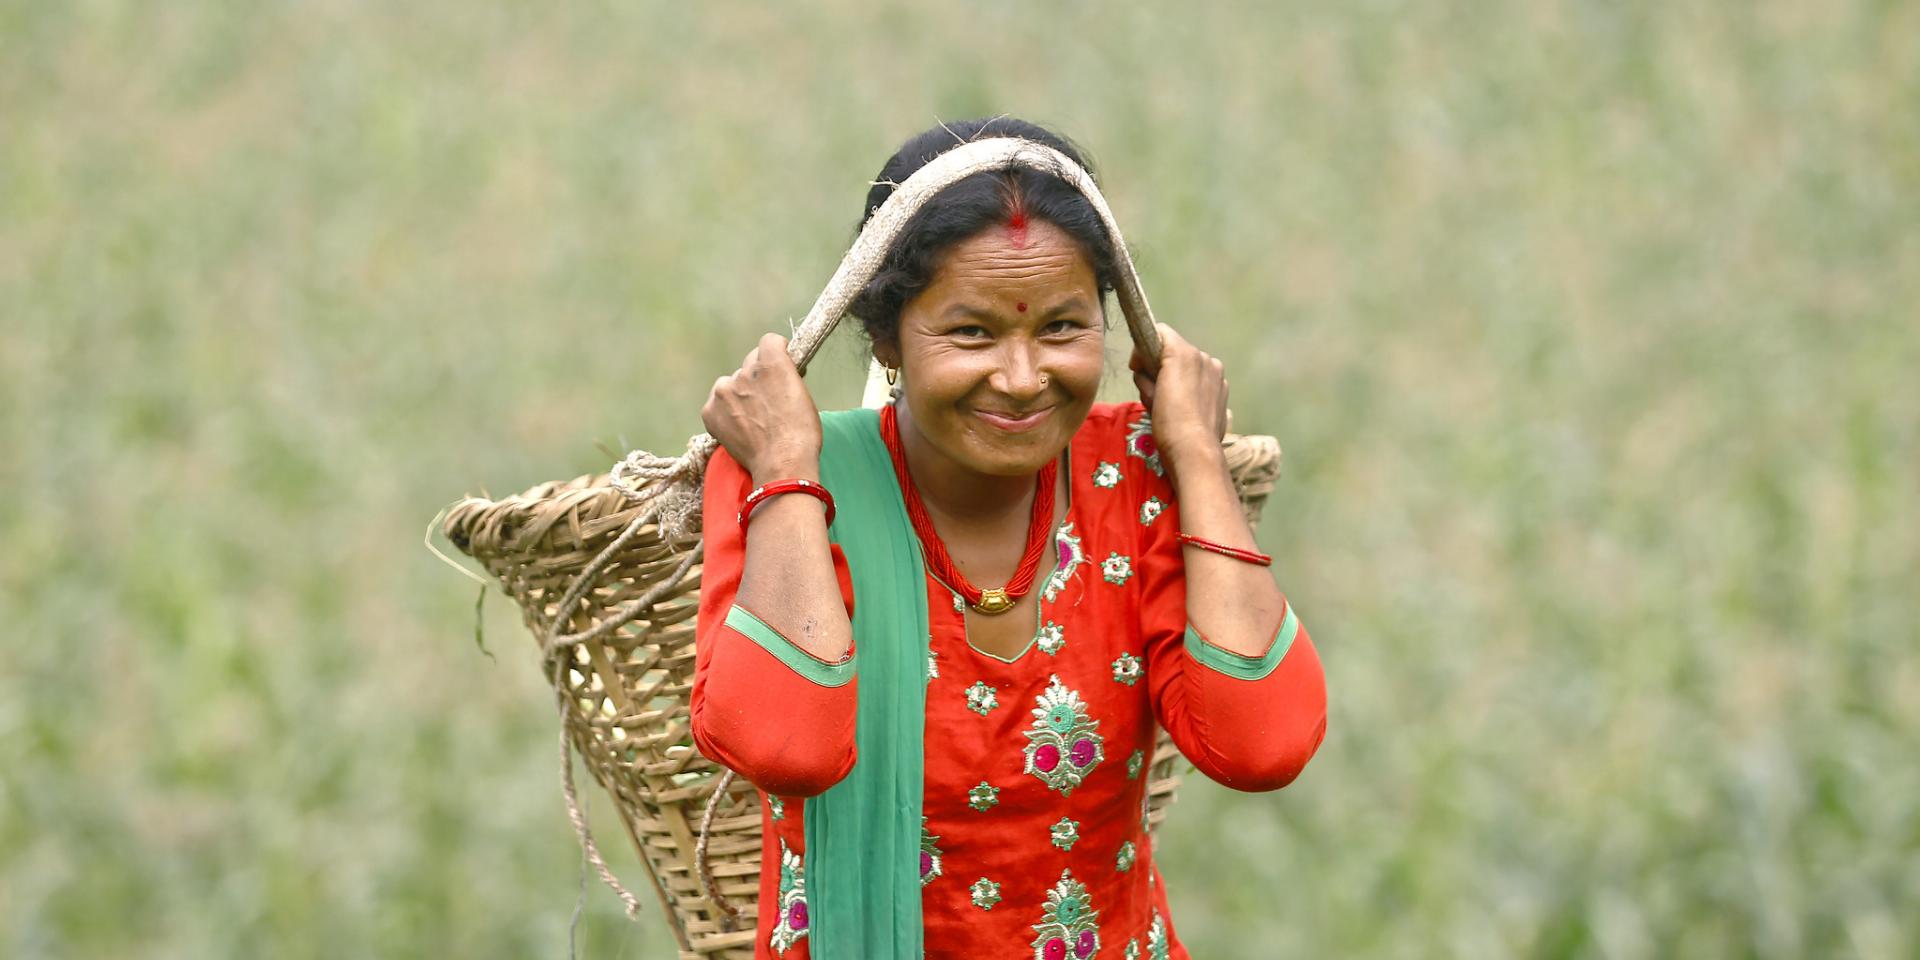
<point x="950" y="489"/>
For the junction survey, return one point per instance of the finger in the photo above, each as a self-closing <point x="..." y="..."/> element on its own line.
<point x="773" y="351"/>
<point x="1170" y="339"/>
<point x="1139" y="362"/>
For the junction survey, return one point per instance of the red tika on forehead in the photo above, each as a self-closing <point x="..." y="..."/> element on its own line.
<point x="1017" y="226"/>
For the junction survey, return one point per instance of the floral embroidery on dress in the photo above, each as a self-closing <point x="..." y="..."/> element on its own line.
<point x="791" y="923"/>
<point x="1051" y="638"/>
<point x="1157" y="938"/>
<point x="1116" y="569"/>
<point x="1065" y="833"/>
<point x="1063" y="744"/>
<point x="929" y="854"/>
<point x="1150" y="511"/>
<point x="1067" y="923"/>
<point x="933" y="665"/>
<point x="777" y="809"/>
<point x="982" y="698"/>
<point x="1133" y="949"/>
<point x="1126" y="669"/>
<point x="985" y="893"/>
<point x="1134" y="761"/>
<point x="959" y="603"/>
<point x="1140" y="443"/>
<point x="983" y="797"/>
<point x="1068" y="547"/>
<point x="1123" y="861"/>
<point x="1106" y="475"/>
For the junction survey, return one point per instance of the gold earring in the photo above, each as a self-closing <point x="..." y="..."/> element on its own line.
<point x="893" y="376"/>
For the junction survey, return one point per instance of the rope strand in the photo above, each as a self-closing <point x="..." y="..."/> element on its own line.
<point x="579" y="819"/>
<point x="730" y="914"/>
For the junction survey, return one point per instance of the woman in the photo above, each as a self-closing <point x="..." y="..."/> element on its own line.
<point x="1031" y="580"/>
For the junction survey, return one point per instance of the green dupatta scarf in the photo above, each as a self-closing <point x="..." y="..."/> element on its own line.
<point x="863" y="834"/>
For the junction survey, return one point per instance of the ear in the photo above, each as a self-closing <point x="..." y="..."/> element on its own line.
<point x="887" y="352"/>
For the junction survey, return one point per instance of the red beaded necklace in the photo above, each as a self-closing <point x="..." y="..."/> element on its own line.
<point x="998" y="600"/>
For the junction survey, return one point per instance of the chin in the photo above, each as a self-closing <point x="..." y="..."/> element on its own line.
<point x="1014" y="456"/>
<point x="1012" y="465"/>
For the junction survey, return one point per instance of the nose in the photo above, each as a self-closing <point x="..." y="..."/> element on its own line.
<point x="1019" y="377"/>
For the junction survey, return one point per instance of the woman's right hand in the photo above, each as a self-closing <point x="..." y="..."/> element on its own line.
<point x="765" y="417"/>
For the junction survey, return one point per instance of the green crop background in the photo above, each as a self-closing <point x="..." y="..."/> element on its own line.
<point x="1589" y="328"/>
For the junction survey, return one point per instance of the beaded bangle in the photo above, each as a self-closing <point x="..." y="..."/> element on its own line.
<point x="777" y="487"/>
<point x="1246" y="556"/>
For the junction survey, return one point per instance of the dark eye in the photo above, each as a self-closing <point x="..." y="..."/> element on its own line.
<point x="970" y="331"/>
<point x="1061" y="326"/>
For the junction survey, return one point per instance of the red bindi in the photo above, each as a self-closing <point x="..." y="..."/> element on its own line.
<point x="1020" y="307"/>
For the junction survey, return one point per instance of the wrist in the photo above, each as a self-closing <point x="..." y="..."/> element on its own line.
<point x="1191" y="453"/>
<point x="777" y="489"/>
<point x="798" y="468"/>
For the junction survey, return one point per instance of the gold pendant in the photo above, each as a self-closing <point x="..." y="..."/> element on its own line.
<point x="994" y="601"/>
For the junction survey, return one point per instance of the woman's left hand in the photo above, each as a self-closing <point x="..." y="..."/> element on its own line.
<point x="1186" y="394"/>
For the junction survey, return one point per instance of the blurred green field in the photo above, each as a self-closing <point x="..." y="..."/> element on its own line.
<point x="1589" y="329"/>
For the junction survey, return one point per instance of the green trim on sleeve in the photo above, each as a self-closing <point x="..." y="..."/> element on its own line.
<point x="1241" y="666"/>
<point x="786" y="651"/>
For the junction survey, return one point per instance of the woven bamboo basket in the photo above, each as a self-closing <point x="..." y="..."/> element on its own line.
<point x="606" y="572"/>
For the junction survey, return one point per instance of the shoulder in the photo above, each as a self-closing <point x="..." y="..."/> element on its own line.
<point x="1122" y="434"/>
<point x="840" y="421"/>
<point x="1111" y="423"/>
<point x="721" y="466"/>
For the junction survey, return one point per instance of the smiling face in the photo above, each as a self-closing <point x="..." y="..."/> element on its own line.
<point x="1002" y="354"/>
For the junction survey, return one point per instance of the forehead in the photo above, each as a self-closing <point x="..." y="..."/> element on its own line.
<point x="1026" y="261"/>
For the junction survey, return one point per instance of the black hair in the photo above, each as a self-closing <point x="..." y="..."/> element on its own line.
<point x="968" y="206"/>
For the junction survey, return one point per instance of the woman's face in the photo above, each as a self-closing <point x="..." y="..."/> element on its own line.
<point x="1001" y="355"/>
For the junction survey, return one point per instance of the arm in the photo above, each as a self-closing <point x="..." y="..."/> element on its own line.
<point x="1248" y="718"/>
<point x="789" y="575"/>
<point x="774" y="693"/>
<point x="1236" y="605"/>
<point x="1243" y="695"/>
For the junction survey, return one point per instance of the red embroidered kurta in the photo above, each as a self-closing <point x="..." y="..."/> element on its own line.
<point x="1034" y="839"/>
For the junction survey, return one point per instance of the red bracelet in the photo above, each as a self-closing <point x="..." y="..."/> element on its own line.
<point x="778" y="487"/>
<point x="1247" y="556"/>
